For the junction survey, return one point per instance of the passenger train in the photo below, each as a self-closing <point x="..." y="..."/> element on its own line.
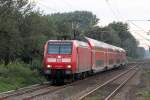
<point x="73" y="59"/>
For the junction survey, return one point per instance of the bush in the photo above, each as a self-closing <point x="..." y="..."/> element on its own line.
<point x="16" y="75"/>
<point x="146" y="90"/>
<point x="36" y="64"/>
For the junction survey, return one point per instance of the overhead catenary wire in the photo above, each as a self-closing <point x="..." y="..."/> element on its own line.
<point x="40" y="3"/>
<point x="116" y="10"/>
<point x="127" y="21"/>
<point x="69" y="5"/>
<point x="143" y="38"/>
<point x="139" y="33"/>
<point x="116" y="14"/>
<point x="64" y="3"/>
<point x="111" y="9"/>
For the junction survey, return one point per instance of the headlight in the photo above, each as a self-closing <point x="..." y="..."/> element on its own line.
<point x="49" y="66"/>
<point x="69" y="66"/>
<point x="66" y="59"/>
<point x="51" y="59"/>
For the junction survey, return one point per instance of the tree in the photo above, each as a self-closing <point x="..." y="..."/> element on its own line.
<point x="141" y="52"/>
<point x="128" y="42"/>
<point x="73" y="23"/>
<point x="35" y="31"/>
<point x="12" y="34"/>
<point x="10" y="40"/>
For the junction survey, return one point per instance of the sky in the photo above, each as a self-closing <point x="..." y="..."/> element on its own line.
<point x="134" y="12"/>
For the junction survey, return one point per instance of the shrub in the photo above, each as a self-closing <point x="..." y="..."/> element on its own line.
<point x="16" y="75"/>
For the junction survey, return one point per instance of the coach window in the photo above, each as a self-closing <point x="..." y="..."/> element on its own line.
<point x="118" y="51"/>
<point x="110" y="50"/>
<point x="98" y="48"/>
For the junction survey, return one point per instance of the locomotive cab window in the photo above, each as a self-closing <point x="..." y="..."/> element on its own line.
<point x="66" y="48"/>
<point x="59" y="48"/>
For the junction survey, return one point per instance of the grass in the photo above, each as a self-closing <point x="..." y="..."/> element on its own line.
<point x="146" y="91"/>
<point x="17" y="75"/>
<point x="95" y="98"/>
<point x="146" y="95"/>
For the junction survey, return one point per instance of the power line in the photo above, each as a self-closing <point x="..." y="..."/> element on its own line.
<point x="137" y="26"/>
<point x="47" y="7"/>
<point x="67" y="3"/>
<point x="143" y="38"/>
<point x="107" y="1"/>
<point x="117" y="11"/>
<point x="139" y="33"/>
<point x="139" y="20"/>
<point x="111" y="9"/>
<point x="141" y="29"/>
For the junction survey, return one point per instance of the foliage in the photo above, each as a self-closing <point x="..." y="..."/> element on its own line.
<point x="16" y="75"/>
<point x="73" y="23"/>
<point x="10" y="35"/>
<point x="141" y="52"/>
<point x="145" y="91"/>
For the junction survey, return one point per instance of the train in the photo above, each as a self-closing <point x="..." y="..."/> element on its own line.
<point x="74" y="59"/>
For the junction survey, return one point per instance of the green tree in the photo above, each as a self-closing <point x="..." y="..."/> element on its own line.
<point x="10" y="40"/>
<point x="73" y="23"/>
<point x="128" y="42"/>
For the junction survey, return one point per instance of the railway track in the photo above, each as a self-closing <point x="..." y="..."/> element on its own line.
<point x="28" y="94"/>
<point x="32" y="93"/>
<point x="21" y="91"/>
<point x="120" y="86"/>
<point x="61" y="93"/>
<point x="102" y="88"/>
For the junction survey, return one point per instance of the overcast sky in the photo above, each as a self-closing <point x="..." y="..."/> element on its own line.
<point x="108" y="11"/>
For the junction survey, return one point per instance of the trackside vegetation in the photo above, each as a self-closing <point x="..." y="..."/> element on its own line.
<point x="145" y="91"/>
<point x="24" y="30"/>
<point x="16" y="75"/>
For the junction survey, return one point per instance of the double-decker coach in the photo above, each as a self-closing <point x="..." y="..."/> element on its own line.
<point x="105" y="56"/>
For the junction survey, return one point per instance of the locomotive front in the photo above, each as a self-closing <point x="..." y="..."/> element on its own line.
<point x="58" y="59"/>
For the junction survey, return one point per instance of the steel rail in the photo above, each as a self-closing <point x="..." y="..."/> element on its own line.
<point x="46" y="92"/>
<point x="23" y="91"/>
<point x="120" y="86"/>
<point x="107" y="82"/>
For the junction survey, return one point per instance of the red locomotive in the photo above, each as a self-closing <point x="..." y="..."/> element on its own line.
<point x="70" y="59"/>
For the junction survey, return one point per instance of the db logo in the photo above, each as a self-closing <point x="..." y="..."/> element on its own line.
<point x="58" y="60"/>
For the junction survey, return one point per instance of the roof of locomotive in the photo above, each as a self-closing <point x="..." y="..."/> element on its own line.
<point x="77" y="42"/>
<point x="93" y="42"/>
<point x="103" y="45"/>
<point x="60" y="40"/>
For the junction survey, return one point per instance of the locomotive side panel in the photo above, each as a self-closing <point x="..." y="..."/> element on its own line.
<point x="84" y="59"/>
